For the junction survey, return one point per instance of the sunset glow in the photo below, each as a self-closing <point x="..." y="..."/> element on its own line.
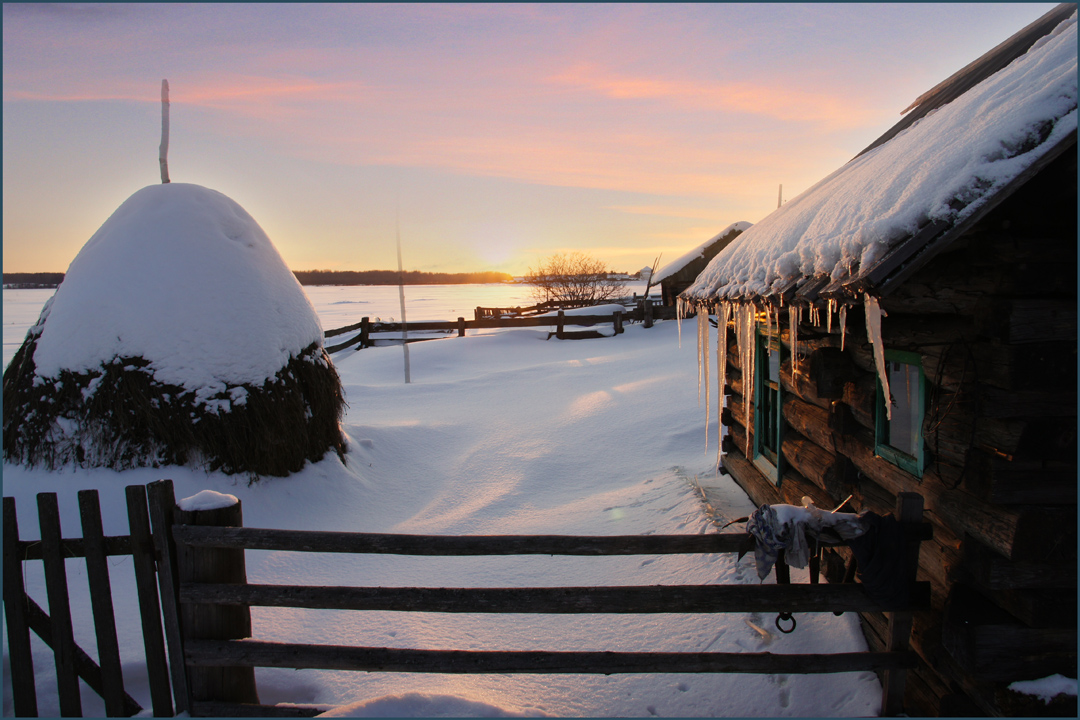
<point x="497" y="133"/>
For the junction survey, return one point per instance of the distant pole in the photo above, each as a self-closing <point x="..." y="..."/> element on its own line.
<point x="401" y="297"/>
<point x="780" y="196"/>
<point x="163" y="149"/>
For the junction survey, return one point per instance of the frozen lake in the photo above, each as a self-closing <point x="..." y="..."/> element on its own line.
<point x="337" y="305"/>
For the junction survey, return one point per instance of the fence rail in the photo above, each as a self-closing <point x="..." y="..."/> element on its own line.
<point x="645" y="312"/>
<point x="196" y="560"/>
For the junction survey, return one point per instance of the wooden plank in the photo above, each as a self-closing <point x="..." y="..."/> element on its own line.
<point x="142" y="552"/>
<point x="252" y="653"/>
<point x="85" y="667"/>
<point x="612" y="599"/>
<point x="101" y="605"/>
<point x="444" y="545"/>
<point x="23" y="690"/>
<point x="63" y="635"/>
<point x="162" y="503"/>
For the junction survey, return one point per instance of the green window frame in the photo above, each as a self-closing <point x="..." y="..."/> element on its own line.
<point x="900" y="440"/>
<point x="768" y="405"/>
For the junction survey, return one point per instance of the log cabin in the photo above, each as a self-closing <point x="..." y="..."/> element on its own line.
<point x="908" y="324"/>
<point x="679" y="274"/>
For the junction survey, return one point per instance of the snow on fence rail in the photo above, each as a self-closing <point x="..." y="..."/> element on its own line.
<point x="205" y="602"/>
<point x="644" y="313"/>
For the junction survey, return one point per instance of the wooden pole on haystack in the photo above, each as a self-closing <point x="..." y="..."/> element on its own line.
<point x="163" y="149"/>
<point x="401" y="297"/>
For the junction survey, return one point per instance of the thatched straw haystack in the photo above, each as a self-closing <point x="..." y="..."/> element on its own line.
<point x="178" y="336"/>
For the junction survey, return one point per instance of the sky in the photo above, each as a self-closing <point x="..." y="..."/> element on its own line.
<point x="486" y="136"/>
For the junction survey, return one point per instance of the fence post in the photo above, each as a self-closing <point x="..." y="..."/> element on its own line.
<point x="559" y="326"/>
<point x="617" y="321"/>
<point x="365" y="332"/>
<point x="162" y="507"/>
<point x="909" y="510"/>
<point x="215" y="622"/>
<point x="23" y="690"/>
<point x="461" y="327"/>
<point x="647" y="302"/>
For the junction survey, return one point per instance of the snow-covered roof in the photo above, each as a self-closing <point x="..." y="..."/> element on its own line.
<point x="183" y="277"/>
<point x="847" y="233"/>
<point x="698" y="252"/>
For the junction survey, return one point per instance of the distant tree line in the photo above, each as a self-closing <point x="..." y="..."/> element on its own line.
<point x="33" y="279"/>
<point x="316" y="277"/>
<point x="392" y="277"/>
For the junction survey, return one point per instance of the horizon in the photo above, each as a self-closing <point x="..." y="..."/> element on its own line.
<point x="486" y="135"/>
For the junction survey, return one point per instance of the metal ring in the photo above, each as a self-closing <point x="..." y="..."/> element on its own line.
<point x="785" y="616"/>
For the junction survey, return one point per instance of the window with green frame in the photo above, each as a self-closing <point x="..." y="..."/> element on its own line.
<point x="768" y="406"/>
<point x="899" y="439"/>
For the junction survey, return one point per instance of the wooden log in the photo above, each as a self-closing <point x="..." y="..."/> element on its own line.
<point x="143" y="562"/>
<point x="992" y="571"/>
<point x="760" y="489"/>
<point x="449" y="545"/>
<point x="1013" y="532"/>
<point x="986" y="641"/>
<point x="162" y="504"/>
<point x="1035" y="608"/>
<point x="200" y="621"/>
<point x="861" y="398"/>
<point x="830" y="369"/>
<point x="647" y="309"/>
<point x="461" y="327"/>
<point x="63" y="635"/>
<point x="1027" y="320"/>
<point x="824" y="469"/>
<point x="999" y="480"/>
<point x="97" y="572"/>
<point x="23" y="689"/>
<point x="560" y="600"/>
<point x="802" y="385"/>
<point x="1008" y="367"/>
<point x="811" y="421"/>
<point x="336" y="657"/>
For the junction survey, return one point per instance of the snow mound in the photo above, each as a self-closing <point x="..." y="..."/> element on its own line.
<point x="416" y="704"/>
<point x="182" y="276"/>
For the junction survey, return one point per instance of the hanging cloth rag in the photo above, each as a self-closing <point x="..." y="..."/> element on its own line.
<point x="785" y="527"/>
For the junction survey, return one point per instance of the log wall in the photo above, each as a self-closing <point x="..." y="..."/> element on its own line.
<point x="994" y="320"/>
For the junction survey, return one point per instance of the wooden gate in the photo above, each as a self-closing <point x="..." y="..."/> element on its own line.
<point x="54" y="627"/>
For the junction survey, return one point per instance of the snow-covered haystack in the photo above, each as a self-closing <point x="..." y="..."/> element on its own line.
<point x="178" y="336"/>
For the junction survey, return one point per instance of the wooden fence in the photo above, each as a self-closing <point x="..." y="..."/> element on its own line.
<point x="55" y="628"/>
<point x="206" y="600"/>
<point x="645" y="312"/>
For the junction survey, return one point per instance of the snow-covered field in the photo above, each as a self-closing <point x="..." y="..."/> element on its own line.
<point x="500" y="432"/>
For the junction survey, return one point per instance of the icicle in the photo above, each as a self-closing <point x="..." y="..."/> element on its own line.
<point x="828" y="315"/>
<point x="874" y="313"/>
<point x="768" y="327"/>
<point x="700" y="351"/>
<point x="794" y="316"/>
<point x="679" y="314"/>
<point x="843" y="325"/>
<point x="722" y="313"/>
<point x="744" y="334"/>
<point x="703" y="337"/>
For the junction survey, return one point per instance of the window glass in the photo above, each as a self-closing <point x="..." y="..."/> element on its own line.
<point x="903" y="429"/>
